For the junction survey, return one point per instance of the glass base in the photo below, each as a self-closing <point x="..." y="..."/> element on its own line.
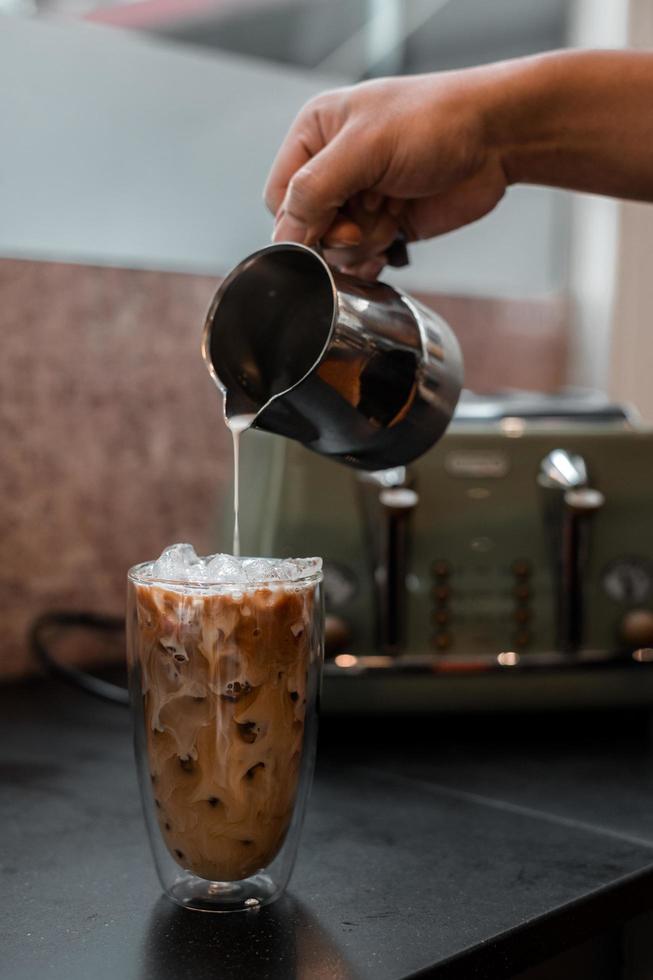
<point x="201" y="895"/>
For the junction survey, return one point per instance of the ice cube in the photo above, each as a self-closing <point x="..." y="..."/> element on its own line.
<point x="260" y="570"/>
<point x="288" y="570"/>
<point x="225" y="568"/>
<point x="180" y="563"/>
<point x="295" y="569"/>
<point x="303" y="567"/>
<point x="176" y="563"/>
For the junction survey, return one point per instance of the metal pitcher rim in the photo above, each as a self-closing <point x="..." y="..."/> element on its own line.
<point x="224" y="285"/>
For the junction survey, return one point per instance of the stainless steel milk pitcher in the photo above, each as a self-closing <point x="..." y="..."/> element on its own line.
<point x="355" y="370"/>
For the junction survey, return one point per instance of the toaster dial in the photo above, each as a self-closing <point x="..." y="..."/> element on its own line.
<point x="628" y="580"/>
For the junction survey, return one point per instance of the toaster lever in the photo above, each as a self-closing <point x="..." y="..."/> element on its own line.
<point x="579" y="507"/>
<point x="387" y="502"/>
<point x="398" y="504"/>
<point x="569" y="506"/>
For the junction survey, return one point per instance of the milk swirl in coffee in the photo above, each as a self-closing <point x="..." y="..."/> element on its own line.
<point x="228" y="654"/>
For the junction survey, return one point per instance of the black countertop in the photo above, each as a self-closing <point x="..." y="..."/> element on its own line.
<point x="463" y="848"/>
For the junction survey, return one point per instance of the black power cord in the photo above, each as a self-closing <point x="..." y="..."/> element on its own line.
<point x="40" y="633"/>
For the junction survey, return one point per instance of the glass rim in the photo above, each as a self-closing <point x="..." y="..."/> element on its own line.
<point x="134" y="575"/>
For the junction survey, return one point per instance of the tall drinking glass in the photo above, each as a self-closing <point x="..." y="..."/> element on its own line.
<point x="224" y="681"/>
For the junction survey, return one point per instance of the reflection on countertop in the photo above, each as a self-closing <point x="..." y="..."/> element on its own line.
<point x="284" y="940"/>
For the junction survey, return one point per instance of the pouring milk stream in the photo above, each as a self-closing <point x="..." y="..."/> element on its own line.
<point x="237" y="424"/>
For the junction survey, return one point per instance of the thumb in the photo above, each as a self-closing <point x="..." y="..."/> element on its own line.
<point x="318" y="190"/>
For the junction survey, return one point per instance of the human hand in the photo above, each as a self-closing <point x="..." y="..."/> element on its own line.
<point x="409" y="155"/>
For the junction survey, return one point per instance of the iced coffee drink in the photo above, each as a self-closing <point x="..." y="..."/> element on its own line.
<point x="225" y="657"/>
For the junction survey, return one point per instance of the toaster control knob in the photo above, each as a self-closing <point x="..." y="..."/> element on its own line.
<point x="628" y="580"/>
<point x="521" y="568"/>
<point x="637" y="628"/>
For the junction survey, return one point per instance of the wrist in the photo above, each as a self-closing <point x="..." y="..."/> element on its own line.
<point x="567" y="119"/>
<point x="521" y="114"/>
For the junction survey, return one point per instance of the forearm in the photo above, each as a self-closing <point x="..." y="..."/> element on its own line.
<point x="582" y="120"/>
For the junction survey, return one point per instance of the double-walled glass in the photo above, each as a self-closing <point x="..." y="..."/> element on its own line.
<point x="224" y="684"/>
